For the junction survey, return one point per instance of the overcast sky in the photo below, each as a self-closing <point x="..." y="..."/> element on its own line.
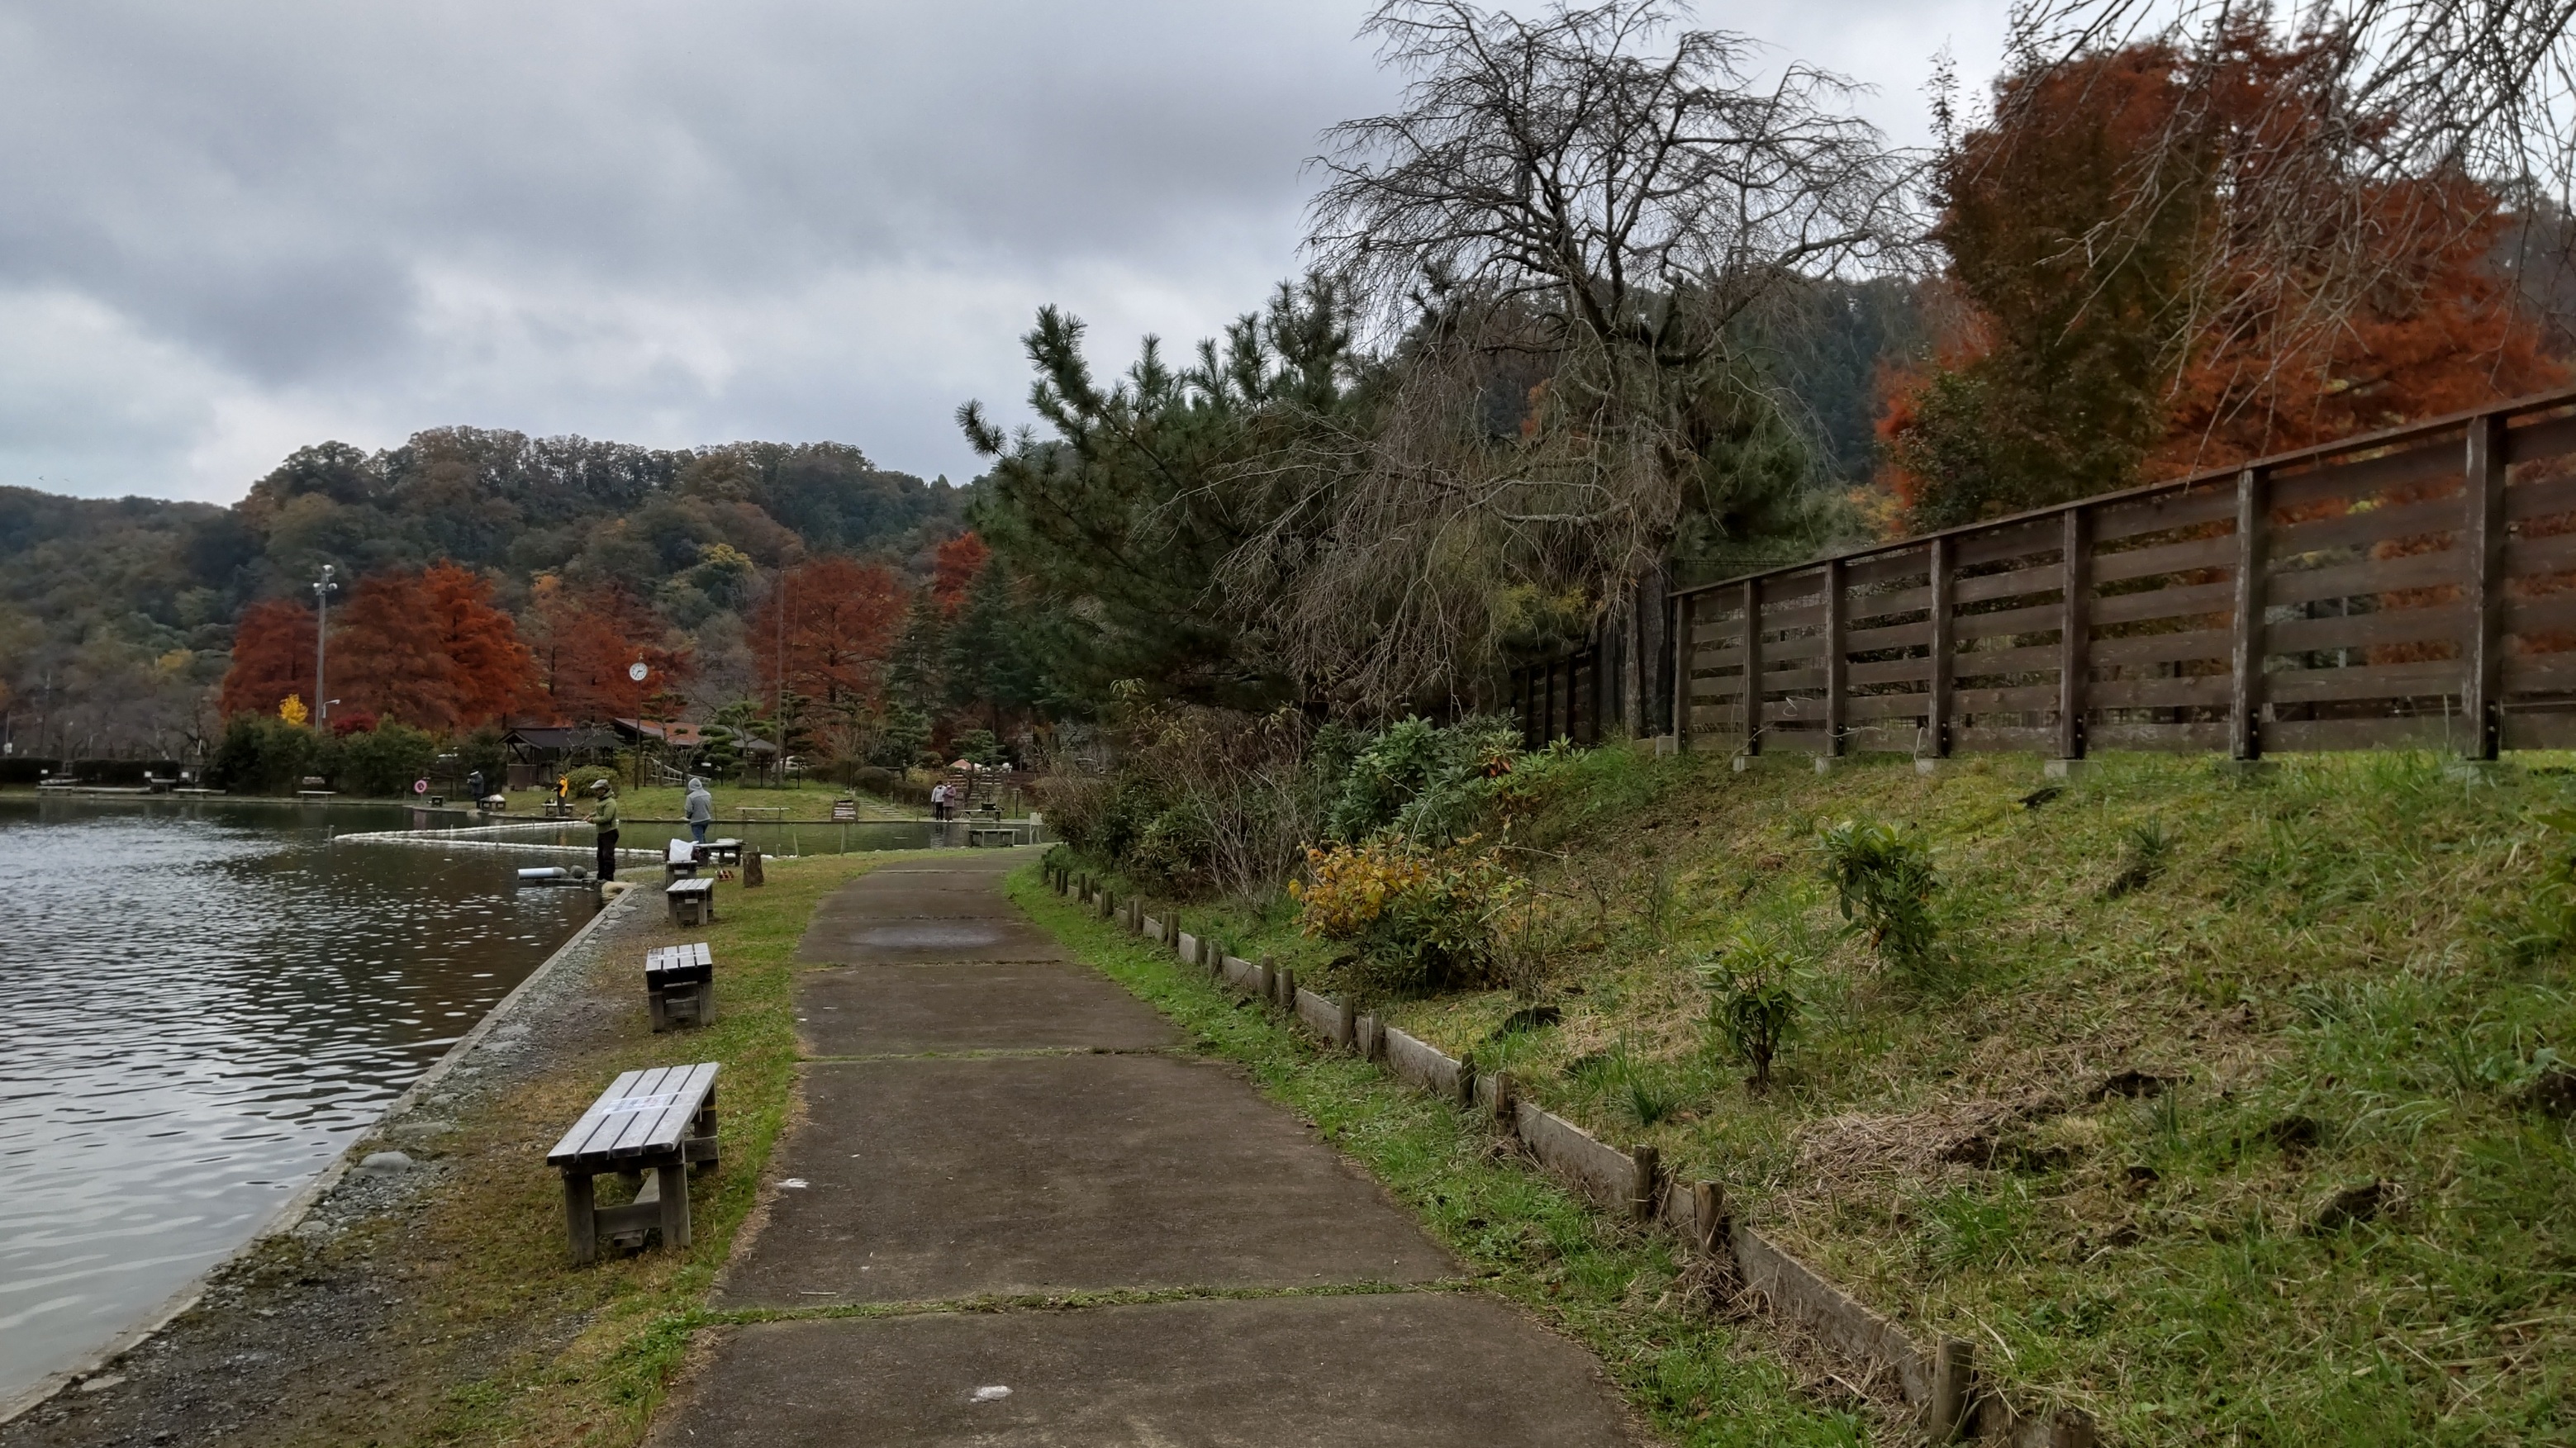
<point x="234" y="229"/>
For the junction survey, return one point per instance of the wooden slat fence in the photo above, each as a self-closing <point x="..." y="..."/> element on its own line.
<point x="2404" y="588"/>
<point x="1563" y="698"/>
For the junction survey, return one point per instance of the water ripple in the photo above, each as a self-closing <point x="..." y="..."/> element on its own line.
<point x="207" y="1003"/>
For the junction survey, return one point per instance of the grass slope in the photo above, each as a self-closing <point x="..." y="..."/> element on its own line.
<point x="2226" y="1140"/>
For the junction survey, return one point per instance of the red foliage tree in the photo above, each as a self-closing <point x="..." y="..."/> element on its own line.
<point x="272" y="658"/>
<point x="954" y="569"/>
<point x="2118" y="314"/>
<point x="492" y="672"/>
<point x="841" y="622"/>
<point x="429" y="649"/>
<point x="585" y="640"/>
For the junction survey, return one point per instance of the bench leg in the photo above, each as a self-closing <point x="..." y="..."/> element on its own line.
<point x="675" y="1204"/>
<point x="581" y="1218"/>
<point x="660" y="1006"/>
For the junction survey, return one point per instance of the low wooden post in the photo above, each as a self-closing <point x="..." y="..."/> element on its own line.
<point x="581" y="1218"/>
<point x="1346" y="1031"/>
<point x="1945" y="1418"/>
<point x="2482" y="692"/>
<point x="1287" y="990"/>
<point x="675" y="1204"/>
<point x="752" y="878"/>
<point x="1708" y="1216"/>
<point x="1503" y="1099"/>
<point x="1649" y="1175"/>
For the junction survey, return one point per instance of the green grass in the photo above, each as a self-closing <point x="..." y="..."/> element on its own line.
<point x="1698" y="1379"/>
<point x="2317" y="957"/>
<point x="803" y="802"/>
<point x="482" y="1347"/>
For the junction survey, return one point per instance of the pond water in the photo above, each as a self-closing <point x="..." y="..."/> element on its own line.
<point x="207" y="1002"/>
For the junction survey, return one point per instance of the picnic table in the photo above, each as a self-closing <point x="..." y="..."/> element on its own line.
<point x="721" y="852"/>
<point x="692" y="901"/>
<point x="680" y="981"/>
<point x="661" y="1120"/>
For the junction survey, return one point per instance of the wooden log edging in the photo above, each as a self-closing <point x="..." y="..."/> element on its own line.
<point x="1952" y="1401"/>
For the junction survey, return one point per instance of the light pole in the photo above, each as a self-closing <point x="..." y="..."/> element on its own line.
<point x="322" y="589"/>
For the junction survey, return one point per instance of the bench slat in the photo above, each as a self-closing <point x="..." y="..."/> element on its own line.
<point x="576" y="1142"/>
<point x="602" y="1135"/>
<point x="669" y="1128"/>
<point x="659" y="1127"/>
<point x="626" y="1130"/>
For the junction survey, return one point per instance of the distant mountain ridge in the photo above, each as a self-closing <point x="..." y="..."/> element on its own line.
<point x="116" y="614"/>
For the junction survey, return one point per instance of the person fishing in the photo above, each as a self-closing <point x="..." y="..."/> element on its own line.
<point x="604" y="819"/>
<point x="699" y="809"/>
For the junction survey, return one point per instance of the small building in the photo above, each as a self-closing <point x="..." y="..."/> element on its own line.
<point x="538" y="756"/>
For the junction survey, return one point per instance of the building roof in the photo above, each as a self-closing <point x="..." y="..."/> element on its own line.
<point x="561" y="739"/>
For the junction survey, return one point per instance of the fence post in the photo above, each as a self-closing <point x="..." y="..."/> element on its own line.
<point x="1753" y="666"/>
<point x="2245" y="685"/>
<point x="1685" y="658"/>
<point x="1945" y="588"/>
<point x="2483" y="693"/>
<point x="1834" y="720"/>
<point x="2074" y="654"/>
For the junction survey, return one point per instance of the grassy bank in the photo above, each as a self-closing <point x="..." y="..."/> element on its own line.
<point x="2225" y="1111"/>
<point x="501" y="1341"/>
<point x="1697" y="1378"/>
<point x="803" y="802"/>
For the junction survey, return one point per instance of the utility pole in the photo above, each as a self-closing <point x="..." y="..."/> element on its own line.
<point x="322" y="588"/>
<point x="779" y="710"/>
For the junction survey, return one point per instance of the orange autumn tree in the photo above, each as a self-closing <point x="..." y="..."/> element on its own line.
<point x="954" y="568"/>
<point x="584" y="641"/>
<point x="272" y="658"/>
<point x="429" y="648"/>
<point x="841" y="620"/>
<point x="2120" y="311"/>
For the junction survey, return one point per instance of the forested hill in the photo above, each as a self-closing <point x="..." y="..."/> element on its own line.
<point x="116" y="614"/>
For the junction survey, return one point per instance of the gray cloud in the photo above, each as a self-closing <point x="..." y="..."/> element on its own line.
<point x="234" y="229"/>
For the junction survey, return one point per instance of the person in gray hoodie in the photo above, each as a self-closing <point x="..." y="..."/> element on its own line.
<point x="699" y="809"/>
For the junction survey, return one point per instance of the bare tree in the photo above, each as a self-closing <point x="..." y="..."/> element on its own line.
<point x="1560" y="234"/>
<point x="2402" y="126"/>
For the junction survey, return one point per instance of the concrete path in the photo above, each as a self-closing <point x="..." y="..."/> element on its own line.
<point x="980" y="1119"/>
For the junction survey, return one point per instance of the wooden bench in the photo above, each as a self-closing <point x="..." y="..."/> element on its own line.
<point x="680" y="983"/>
<point x="721" y="852"/>
<point x="1003" y="836"/>
<point x="693" y="901"/>
<point x="661" y="1120"/>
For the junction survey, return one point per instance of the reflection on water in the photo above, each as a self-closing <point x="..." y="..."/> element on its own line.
<point x="206" y="1003"/>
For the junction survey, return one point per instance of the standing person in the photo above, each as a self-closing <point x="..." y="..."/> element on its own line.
<point x="939" y="800"/>
<point x="699" y="809"/>
<point x="604" y="819"/>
